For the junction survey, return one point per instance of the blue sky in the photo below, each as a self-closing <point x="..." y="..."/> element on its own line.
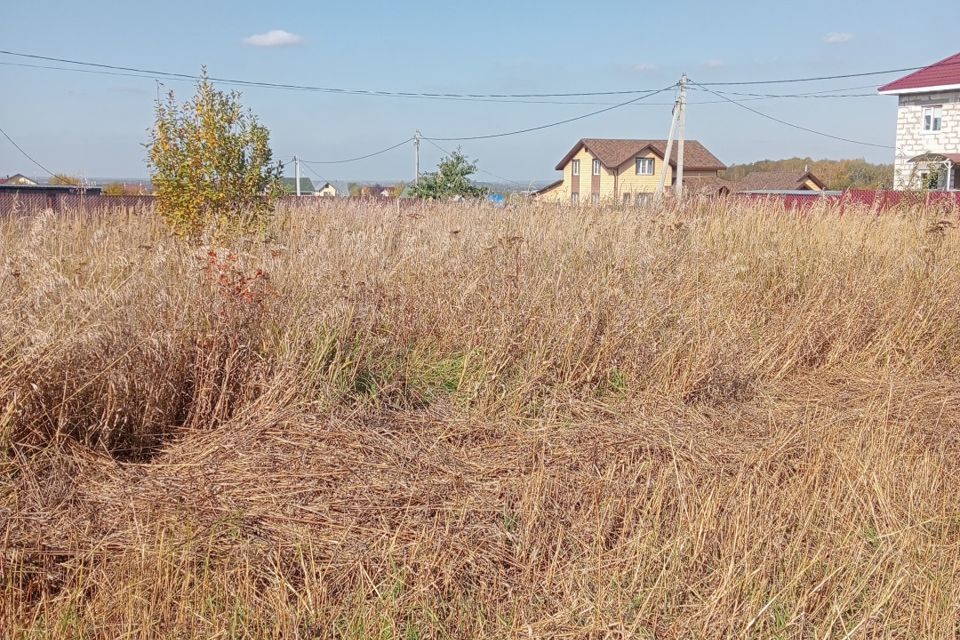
<point x="95" y="125"/>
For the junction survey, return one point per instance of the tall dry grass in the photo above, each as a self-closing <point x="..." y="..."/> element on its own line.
<point x="457" y="422"/>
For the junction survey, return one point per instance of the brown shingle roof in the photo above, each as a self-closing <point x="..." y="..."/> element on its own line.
<point x="614" y="153"/>
<point x="777" y="180"/>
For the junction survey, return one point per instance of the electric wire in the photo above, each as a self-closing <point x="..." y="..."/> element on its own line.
<point x="489" y="173"/>
<point x="25" y="154"/>
<point x="154" y="73"/>
<point x="824" y="78"/>
<point x="791" y="124"/>
<point x="358" y="158"/>
<point x="551" y="124"/>
<point x="314" y="172"/>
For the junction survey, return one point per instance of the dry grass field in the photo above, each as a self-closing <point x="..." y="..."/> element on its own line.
<point x="459" y="422"/>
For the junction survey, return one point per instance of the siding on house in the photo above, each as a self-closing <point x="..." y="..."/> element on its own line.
<point x="578" y="184"/>
<point x="614" y="182"/>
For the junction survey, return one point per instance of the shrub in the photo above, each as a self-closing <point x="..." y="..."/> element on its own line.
<point x="211" y="164"/>
<point x="64" y="179"/>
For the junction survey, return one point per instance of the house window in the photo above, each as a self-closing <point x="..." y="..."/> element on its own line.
<point x="575" y="167"/>
<point x="626" y="198"/>
<point x="575" y="199"/>
<point x="596" y="167"/>
<point x="932" y="119"/>
<point x="644" y="166"/>
<point x="594" y="198"/>
<point x="642" y="199"/>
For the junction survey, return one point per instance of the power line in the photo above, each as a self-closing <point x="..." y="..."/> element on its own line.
<point x="790" y="124"/>
<point x="822" y="78"/>
<point x="25" y="154"/>
<point x="338" y="90"/>
<point x="358" y="158"/>
<point x="827" y="93"/>
<point x="551" y="124"/>
<point x="111" y="69"/>
<point x="314" y="172"/>
<point x="494" y="135"/>
<point x="489" y="173"/>
<point x="461" y="98"/>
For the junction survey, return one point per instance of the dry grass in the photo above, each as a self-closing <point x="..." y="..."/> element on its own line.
<point x="464" y="423"/>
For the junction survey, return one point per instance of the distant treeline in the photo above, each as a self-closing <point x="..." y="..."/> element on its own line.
<point x="838" y="174"/>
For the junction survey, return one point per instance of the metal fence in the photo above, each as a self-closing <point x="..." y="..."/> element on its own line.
<point x="14" y="203"/>
<point x="879" y="200"/>
<point x="19" y="202"/>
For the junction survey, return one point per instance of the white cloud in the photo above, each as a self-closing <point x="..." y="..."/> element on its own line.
<point x="274" y="38"/>
<point x="642" y="67"/>
<point x="714" y="63"/>
<point x="838" y="37"/>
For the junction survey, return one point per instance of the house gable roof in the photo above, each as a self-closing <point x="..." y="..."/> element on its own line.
<point x="613" y="153"/>
<point x="549" y="187"/>
<point x="18" y="179"/>
<point x="940" y="75"/>
<point x="778" y="181"/>
<point x="290" y="185"/>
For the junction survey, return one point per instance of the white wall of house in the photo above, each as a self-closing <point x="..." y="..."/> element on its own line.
<point x="913" y="141"/>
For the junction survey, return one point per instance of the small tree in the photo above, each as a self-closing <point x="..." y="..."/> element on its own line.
<point x="451" y="179"/>
<point x="64" y="179"/>
<point x="397" y="190"/>
<point x="211" y="164"/>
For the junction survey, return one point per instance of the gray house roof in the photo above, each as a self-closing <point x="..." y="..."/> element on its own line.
<point x="290" y="185"/>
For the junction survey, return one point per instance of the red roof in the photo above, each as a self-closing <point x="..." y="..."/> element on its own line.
<point x="945" y="73"/>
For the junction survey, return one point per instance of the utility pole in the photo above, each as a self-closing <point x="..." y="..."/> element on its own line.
<point x="681" y="125"/>
<point x="296" y="172"/>
<point x="669" y="151"/>
<point x="416" y="150"/>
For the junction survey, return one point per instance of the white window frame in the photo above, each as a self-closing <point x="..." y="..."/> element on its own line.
<point x="575" y="167"/>
<point x="626" y="198"/>
<point x="935" y="114"/>
<point x="653" y="166"/>
<point x="575" y="199"/>
<point x="594" y="198"/>
<point x="642" y="199"/>
<point x="596" y="167"/>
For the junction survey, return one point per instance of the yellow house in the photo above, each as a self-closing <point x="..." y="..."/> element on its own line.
<point x="605" y="170"/>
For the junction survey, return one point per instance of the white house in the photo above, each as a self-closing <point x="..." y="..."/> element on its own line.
<point x="326" y="191"/>
<point x="928" y="127"/>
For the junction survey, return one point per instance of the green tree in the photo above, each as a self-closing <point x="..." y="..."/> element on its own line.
<point x="854" y="173"/>
<point x="451" y="179"/>
<point x="64" y="179"/>
<point x="211" y="164"/>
